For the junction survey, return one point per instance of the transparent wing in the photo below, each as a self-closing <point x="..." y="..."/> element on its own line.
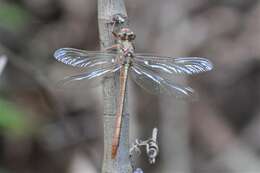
<point x="169" y="66"/>
<point x="83" y="59"/>
<point x="155" y="84"/>
<point x="92" y="77"/>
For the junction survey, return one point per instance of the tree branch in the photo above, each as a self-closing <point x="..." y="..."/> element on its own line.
<point x="106" y="9"/>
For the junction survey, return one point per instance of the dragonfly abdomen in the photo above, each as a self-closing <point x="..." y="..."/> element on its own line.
<point x="119" y="112"/>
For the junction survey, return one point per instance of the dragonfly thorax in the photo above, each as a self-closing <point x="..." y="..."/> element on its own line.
<point x="126" y="34"/>
<point x="127" y="60"/>
<point x="126" y="57"/>
<point x="128" y="54"/>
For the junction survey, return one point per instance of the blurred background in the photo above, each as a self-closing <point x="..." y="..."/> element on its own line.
<point x="45" y="129"/>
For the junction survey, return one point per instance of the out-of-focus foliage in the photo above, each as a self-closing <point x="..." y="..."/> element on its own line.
<point x="13" y="120"/>
<point x="3" y="171"/>
<point x="13" y="16"/>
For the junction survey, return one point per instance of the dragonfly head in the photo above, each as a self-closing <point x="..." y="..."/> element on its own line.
<point x="126" y="34"/>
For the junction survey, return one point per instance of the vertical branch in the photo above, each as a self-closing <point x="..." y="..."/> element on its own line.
<point x="106" y="9"/>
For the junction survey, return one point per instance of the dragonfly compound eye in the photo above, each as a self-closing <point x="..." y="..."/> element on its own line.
<point x="131" y="36"/>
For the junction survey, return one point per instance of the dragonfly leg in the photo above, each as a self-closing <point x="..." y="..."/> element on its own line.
<point x="113" y="47"/>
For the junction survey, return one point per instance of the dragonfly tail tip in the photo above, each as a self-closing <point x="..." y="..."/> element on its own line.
<point x="114" y="151"/>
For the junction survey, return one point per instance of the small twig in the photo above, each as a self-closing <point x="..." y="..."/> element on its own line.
<point x="151" y="146"/>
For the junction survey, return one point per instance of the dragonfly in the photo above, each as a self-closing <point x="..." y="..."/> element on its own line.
<point x="151" y="72"/>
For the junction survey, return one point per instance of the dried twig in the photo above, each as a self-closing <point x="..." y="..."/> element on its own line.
<point x="106" y="9"/>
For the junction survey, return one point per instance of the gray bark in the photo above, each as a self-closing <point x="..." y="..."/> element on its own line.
<point x="106" y="9"/>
